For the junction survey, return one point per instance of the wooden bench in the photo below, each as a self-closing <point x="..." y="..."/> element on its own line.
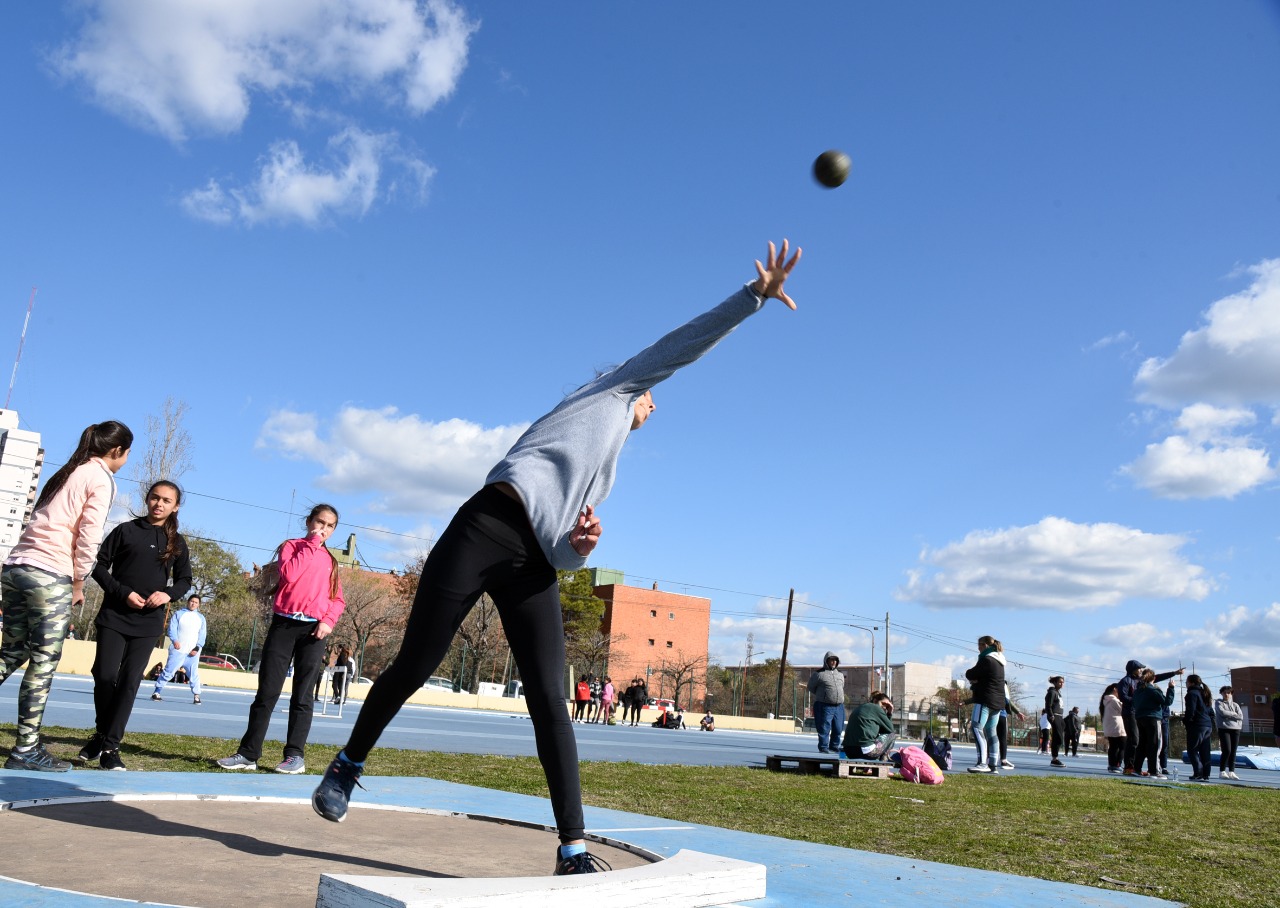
<point x="834" y="766"/>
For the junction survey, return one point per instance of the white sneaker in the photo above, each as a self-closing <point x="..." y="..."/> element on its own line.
<point x="981" y="767"/>
<point x="1007" y="765"/>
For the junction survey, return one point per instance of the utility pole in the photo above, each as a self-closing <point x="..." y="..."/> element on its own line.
<point x="31" y="302"/>
<point x="782" y="667"/>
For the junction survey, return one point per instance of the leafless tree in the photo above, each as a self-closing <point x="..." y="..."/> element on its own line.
<point x="590" y="652"/>
<point x="167" y="450"/>
<point x="375" y="611"/>
<point x="680" y="672"/>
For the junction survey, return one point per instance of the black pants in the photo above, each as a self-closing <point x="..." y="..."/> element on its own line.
<point x="118" y="667"/>
<point x="1148" y="744"/>
<point x="1002" y="732"/>
<point x="1115" y="752"/>
<point x="1228" y="742"/>
<point x="489" y="547"/>
<point x="1055" y="739"/>
<point x="287" y="641"/>
<point x="1072" y="744"/>
<point x="1131" y="736"/>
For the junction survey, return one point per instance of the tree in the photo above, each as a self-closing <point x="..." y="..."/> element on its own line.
<point x="680" y="672"/>
<point x="481" y="637"/>
<point x="375" y="613"/>
<point x="583" y="611"/>
<point x="215" y="570"/>
<point x="590" y="652"/>
<point x="168" y="447"/>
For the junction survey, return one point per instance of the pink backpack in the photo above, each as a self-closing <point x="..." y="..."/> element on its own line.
<point x="918" y="766"/>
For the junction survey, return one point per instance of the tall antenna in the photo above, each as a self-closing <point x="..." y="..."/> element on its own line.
<point x="31" y="302"/>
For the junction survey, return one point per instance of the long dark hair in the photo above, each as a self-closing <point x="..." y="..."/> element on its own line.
<point x="1102" y="702"/>
<point x="1195" y="682"/>
<point x="98" y="440"/>
<point x="172" y="539"/>
<point x="334" y="583"/>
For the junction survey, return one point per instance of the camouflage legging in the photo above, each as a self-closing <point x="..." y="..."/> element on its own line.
<point x="37" y="611"/>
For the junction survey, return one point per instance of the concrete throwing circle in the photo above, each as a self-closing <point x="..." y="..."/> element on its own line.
<point x="226" y="852"/>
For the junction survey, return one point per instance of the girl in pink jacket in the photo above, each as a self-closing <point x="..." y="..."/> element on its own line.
<point x="307" y="605"/>
<point x="45" y="573"/>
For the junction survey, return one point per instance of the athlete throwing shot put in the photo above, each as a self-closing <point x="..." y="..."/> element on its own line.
<point x="536" y="514"/>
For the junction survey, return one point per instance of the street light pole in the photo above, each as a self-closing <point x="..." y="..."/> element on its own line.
<point x="870" y="671"/>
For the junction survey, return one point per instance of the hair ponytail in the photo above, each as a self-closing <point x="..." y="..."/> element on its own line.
<point x="97" y="440"/>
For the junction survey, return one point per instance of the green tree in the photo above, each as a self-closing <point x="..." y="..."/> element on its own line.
<point x="583" y="611"/>
<point x="216" y="572"/>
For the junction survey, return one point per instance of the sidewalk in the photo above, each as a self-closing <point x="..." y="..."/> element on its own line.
<point x="212" y="840"/>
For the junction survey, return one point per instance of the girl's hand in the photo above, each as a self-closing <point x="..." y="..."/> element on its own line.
<point x="135" y="600"/>
<point x="774" y="274"/>
<point x="77" y="592"/>
<point x="322" y="630"/>
<point x="159" y="597"/>
<point x="586" y="533"/>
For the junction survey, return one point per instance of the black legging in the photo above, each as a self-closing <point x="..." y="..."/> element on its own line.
<point x="119" y="663"/>
<point x="1002" y="732"/>
<point x="1228" y="741"/>
<point x="489" y="547"/>
<point x="1115" y="752"/>
<point x="1055" y="740"/>
<point x="1131" y="736"/>
<point x="1148" y="744"/>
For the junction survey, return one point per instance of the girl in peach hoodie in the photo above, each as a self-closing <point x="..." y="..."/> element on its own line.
<point x="44" y="577"/>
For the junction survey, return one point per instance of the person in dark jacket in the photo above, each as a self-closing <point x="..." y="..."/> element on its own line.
<point x="869" y="734"/>
<point x="1053" y="709"/>
<point x="1071" y="725"/>
<point x="1125" y="688"/>
<point x="986" y="680"/>
<point x="1198" y="718"/>
<point x="827" y="687"/>
<point x="1147" y="703"/>
<point x="142" y="566"/>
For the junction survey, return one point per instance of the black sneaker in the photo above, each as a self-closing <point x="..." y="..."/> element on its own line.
<point x="1056" y="763"/>
<point x="157" y="697"/>
<point x="196" y="701"/>
<point x="90" y="751"/>
<point x="584" y="862"/>
<point x="110" y="759"/>
<point x="334" y="791"/>
<point x="36" y="759"/>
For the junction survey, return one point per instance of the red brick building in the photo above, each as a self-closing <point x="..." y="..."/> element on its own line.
<point x="659" y="636"/>
<point x="1253" y="687"/>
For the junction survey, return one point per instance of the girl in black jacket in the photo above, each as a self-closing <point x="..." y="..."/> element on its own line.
<point x="986" y="680"/>
<point x="1198" y="717"/>
<point x="142" y="566"/>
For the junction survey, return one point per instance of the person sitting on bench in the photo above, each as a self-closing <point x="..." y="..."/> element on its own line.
<point x="869" y="734"/>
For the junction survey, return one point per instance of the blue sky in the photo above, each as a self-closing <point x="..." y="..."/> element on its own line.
<point x="1031" y="389"/>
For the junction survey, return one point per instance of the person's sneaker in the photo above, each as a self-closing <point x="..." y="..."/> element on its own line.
<point x="110" y="759"/>
<point x="585" y="862"/>
<point x="1130" y="772"/>
<point x="1007" y="765"/>
<point x="157" y="697"/>
<point x="1056" y="763"/>
<point x="332" y="795"/>
<point x="196" y="700"/>
<point x="1116" y="769"/>
<point x="91" y="751"/>
<point x="37" y="759"/>
<point x="1233" y="775"/>
<point x="981" y="767"/>
<point x="291" y="766"/>
<point x="237" y="761"/>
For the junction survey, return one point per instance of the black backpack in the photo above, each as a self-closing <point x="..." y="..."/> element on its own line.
<point x="939" y="749"/>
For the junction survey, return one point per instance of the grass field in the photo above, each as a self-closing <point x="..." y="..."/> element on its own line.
<point x="1208" y="846"/>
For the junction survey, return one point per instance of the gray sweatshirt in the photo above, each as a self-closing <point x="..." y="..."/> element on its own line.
<point x="1229" y="714"/>
<point x="827" y="684"/>
<point x="567" y="459"/>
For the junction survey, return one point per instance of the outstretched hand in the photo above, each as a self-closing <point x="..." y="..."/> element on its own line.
<point x="586" y="532"/>
<point x="774" y="274"/>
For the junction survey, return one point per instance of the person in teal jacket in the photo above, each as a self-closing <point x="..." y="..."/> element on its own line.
<point x="1148" y="707"/>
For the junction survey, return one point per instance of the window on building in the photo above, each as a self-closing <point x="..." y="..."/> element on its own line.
<point x="651" y="643"/>
<point x="671" y="616"/>
<point x="668" y="644"/>
<point x="653" y="613"/>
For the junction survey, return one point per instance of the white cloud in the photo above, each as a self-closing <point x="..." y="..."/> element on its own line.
<point x="1055" y="564"/>
<point x="1181" y="467"/>
<point x="178" y="66"/>
<point x="1229" y="361"/>
<point x="409" y="465"/>
<point x="1132" y="636"/>
<point x="288" y="189"/>
<point x="1121" y="337"/>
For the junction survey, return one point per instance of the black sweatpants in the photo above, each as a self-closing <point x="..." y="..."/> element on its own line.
<point x="1148" y="745"/>
<point x="1056" y="737"/>
<point x="489" y="547"/>
<point x="288" y="640"/>
<point x="118" y="666"/>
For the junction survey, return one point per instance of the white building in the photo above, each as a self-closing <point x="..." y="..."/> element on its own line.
<point x="21" y="459"/>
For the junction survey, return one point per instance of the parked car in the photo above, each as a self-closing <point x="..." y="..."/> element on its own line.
<point x="239" y="666"/>
<point x="435" y="682"/>
<point x="216" y="662"/>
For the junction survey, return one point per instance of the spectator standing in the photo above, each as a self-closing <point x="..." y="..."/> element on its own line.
<point x="1053" y="709"/>
<point x="1147" y="703"/>
<point x="1071" y="725"/>
<point x="1125" y="689"/>
<point x="581" y="698"/>
<point x="1044" y="731"/>
<point x="606" y="701"/>
<point x="986" y="680"/>
<point x="1002" y="728"/>
<point x="43" y="578"/>
<point x="1198" y="718"/>
<point x="342" y="679"/>
<point x="1112" y="712"/>
<point x="1230" y="719"/>
<point x="593" y="708"/>
<point x="306" y="608"/>
<point x="640" y="699"/>
<point x="826" y="685"/>
<point x="187" y="630"/>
